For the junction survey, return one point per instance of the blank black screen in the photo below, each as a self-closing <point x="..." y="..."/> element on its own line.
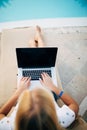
<point x="36" y="57"/>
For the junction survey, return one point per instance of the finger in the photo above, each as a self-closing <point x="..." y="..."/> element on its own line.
<point x="42" y="76"/>
<point x="30" y="78"/>
<point x="22" y="78"/>
<point x="27" y="79"/>
<point x="28" y="83"/>
<point x="46" y="74"/>
<point x="41" y="81"/>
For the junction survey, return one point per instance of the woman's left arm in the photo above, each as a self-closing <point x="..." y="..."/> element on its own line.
<point x="68" y="100"/>
<point x="23" y="85"/>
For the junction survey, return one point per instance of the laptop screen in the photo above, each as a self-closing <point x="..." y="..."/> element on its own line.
<point x="36" y="57"/>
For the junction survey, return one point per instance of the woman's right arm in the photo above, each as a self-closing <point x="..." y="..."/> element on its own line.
<point x="23" y="85"/>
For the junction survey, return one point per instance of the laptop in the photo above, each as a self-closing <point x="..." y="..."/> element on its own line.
<point x="33" y="61"/>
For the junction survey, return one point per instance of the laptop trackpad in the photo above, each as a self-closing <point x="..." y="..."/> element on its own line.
<point x="35" y="84"/>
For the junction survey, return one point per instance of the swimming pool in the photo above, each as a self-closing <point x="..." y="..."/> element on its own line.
<point x="21" y="10"/>
<point x="14" y="10"/>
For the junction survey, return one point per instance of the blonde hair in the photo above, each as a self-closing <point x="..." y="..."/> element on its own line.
<point x="36" y="112"/>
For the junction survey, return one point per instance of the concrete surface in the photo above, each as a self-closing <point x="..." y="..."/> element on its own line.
<point x="71" y="59"/>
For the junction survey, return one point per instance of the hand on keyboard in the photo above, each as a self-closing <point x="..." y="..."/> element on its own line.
<point x="24" y="84"/>
<point x="46" y="81"/>
<point x="35" y="74"/>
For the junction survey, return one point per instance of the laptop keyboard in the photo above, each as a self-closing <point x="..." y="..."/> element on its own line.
<point x="35" y="74"/>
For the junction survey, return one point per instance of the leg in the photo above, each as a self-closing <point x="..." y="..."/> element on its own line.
<point x="38" y="40"/>
<point x="32" y="43"/>
<point x="38" y="37"/>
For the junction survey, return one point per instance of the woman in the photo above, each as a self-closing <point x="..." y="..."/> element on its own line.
<point x="37" y="109"/>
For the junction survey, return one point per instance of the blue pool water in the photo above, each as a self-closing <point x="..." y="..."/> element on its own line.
<point x="15" y="10"/>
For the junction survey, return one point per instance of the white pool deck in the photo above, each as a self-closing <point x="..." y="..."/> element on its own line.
<point x="48" y="23"/>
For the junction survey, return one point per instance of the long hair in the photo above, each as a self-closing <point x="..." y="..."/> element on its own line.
<point x="36" y="111"/>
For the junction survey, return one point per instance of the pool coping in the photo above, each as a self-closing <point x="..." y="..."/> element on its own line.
<point x="47" y="23"/>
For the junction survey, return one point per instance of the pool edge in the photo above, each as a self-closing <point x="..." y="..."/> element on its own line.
<point x="48" y="23"/>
